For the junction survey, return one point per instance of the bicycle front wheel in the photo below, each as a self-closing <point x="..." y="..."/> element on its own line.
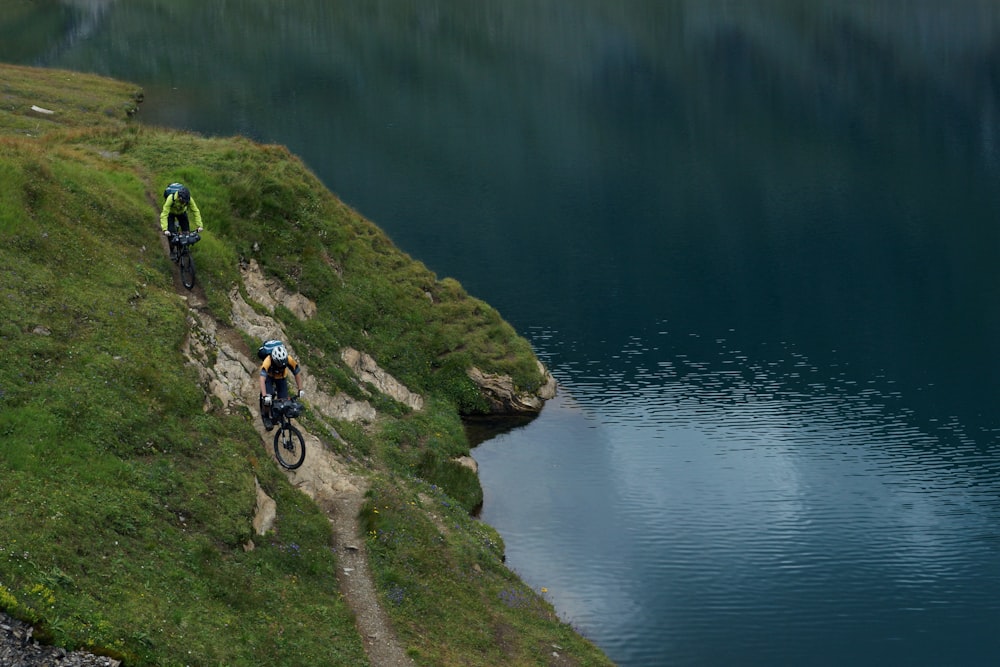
<point x="187" y="270"/>
<point x="289" y="447"/>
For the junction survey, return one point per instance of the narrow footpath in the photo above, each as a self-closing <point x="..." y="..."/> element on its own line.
<point x="323" y="476"/>
<point x="227" y="370"/>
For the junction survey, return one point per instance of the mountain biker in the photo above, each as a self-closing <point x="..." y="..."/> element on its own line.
<point x="274" y="380"/>
<point x="175" y="210"/>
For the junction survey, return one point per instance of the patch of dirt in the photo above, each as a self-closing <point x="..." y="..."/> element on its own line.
<point x="326" y="479"/>
<point x="358" y="587"/>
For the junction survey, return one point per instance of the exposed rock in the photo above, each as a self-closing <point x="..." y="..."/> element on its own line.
<point x="343" y="407"/>
<point x="326" y="477"/>
<point x="323" y="476"/>
<point x="548" y="390"/>
<point x="266" y="511"/>
<point x="368" y="371"/>
<point x="268" y="292"/>
<point x="499" y="390"/>
<point x="231" y="376"/>
<point x="468" y="462"/>
<point x="19" y="649"/>
<point x="257" y="326"/>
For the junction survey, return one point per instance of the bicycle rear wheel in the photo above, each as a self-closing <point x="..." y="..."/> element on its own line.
<point x="187" y="269"/>
<point x="289" y="447"/>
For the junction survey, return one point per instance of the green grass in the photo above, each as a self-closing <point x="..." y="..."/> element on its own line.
<point x="435" y="564"/>
<point x="126" y="496"/>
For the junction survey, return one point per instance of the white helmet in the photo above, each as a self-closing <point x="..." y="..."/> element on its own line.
<point x="279" y="356"/>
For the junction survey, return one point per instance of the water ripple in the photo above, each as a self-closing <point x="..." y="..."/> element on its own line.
<point x="737" y="500"/>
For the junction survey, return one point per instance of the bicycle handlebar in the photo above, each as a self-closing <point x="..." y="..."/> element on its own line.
<point x="185" y="238"/>
<point x="288" y="406"/>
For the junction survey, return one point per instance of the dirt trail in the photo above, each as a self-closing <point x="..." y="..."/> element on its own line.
<point x="323" y="476"/>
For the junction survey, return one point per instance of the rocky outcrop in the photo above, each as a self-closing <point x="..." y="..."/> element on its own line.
<point x="327" y="478"/>
<point x="468" y="462"/>
<point x="503" y="397"/>
<point x="265" y="511"/>
<point x="367" y="371"/>
<point x="268" y="292"/>
<point x="343" y="407"/>
<point x="231" y="376"/>
<point x="19" y="649"/>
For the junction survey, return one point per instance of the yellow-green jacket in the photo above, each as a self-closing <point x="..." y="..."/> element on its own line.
<point x="174" y="205"/>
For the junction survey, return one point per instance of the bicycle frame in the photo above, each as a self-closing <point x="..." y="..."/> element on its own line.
<point x="183" y="241"/>
<point x="289" y="445"/>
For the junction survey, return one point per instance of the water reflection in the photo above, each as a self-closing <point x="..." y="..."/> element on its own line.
<point x="755" y="242"/>
<point x="762" y="510"/>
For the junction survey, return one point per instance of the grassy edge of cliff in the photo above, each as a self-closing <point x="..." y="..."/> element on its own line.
<point x="127" y="490"/>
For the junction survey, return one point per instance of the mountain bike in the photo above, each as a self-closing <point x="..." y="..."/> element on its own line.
<point x="289" y="446"/>
<point x="180" y="253"/>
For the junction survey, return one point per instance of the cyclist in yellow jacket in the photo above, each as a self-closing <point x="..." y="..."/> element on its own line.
<point x="175" y="212"/>
<point x="274" y="380"/>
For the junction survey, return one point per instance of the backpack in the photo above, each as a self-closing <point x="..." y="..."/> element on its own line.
<point x="264" y="350"/>
<point x="171" y="189"/>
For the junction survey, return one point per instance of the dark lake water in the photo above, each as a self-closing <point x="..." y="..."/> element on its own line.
<point x="755" y="242"/>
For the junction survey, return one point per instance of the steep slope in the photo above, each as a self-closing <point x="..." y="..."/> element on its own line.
<point x="219" y="353"/>
<point x="140" y="516"/>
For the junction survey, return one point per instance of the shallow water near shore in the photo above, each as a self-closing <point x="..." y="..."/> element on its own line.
<point x="755" y="243"/>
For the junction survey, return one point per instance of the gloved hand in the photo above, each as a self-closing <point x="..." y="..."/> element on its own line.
<point x="302" y="392"/>
<point x="166" y="232"/>
<point x="199" y="229"/>
<point x="267" y="400"/>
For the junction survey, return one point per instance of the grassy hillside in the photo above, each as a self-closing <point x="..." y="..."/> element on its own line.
<point x="127" y="491"/>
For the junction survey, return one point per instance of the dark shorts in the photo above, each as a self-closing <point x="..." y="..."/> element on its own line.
<point x="277" y="388"/>
<point x="174" y="218"/>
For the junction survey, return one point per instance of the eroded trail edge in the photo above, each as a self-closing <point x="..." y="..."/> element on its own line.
<point x="230" y="374"/>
